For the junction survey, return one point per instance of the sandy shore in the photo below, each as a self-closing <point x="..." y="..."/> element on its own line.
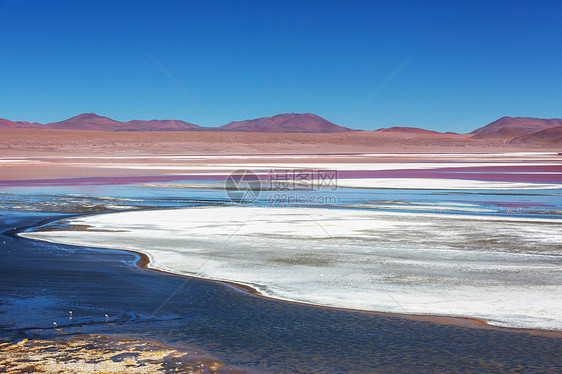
<point x="103" y="354"/>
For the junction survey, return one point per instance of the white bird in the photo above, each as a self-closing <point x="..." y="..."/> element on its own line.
<point x="54" y="324"/>
<point x="106" y="318"/>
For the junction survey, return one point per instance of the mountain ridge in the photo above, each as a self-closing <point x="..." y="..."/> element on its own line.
<point x="411" y="130"/>
<point x="282" y="123"/>
<point x="288" y="122"/>
<point x="504" y="129"/>
<point x="547" y="137"/>
<point x="526" y="125"/>
<point x="94" y="122"/>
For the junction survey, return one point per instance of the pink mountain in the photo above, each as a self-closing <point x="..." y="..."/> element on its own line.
<point x="519" y="125"/>
<point x="551" y="136"/>
<point x="91" y="121"/>
<point x="503" y="133"/>
<point x="505" y="128"/>
<point x="290" y="122"/>
<point x="281" y="123"/>
<point x="7" y="124"/>
<point x="407" y="130"/>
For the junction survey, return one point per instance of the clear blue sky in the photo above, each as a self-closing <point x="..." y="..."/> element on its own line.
<point x="472" y="63"/>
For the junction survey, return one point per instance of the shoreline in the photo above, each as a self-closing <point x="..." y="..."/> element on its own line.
<point x="386" y="326"/>
<point x="459" y="321"/>
<point x="85" y="353"/>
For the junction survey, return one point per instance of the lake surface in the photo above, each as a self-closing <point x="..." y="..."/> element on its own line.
<point x="41" y="282"/>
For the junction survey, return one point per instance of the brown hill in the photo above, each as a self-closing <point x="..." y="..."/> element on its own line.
<point x="504" y="133"/>
<point x="286" y="123"/>
<point x="550" y="137"/>
<point x="86" y="121"/>
<point x="281" y="123"/>
<point x="7" y="124"/>
<point x="410" y="130"/>
<point x="93" y="122"/>
<point x="525" y="125"/>
<point x="159" y="125"/>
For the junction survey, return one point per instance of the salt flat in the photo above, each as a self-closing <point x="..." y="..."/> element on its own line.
<point x="378" y="166"/>
<point x="504" y="270"/>
<point x="441" y="184"/>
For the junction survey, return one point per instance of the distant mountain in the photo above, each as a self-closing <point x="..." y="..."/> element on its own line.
<point x="283" y="123"/>
<point x="503" y="133"/>
<point x="523" y="125"/>
<point x="86" y="121"/>
<point x="160" y="125"/>
<point x="505" y="128"/>
<point x="551" y="136"/>
<point x="407" y="130"/>
<point x="7" y="124"/>
<point x="93" y="122"/>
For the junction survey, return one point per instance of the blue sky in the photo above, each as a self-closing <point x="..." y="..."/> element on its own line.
<point x="470" y="62"/>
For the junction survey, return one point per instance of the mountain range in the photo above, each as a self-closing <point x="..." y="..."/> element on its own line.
<point x="290" y="122"/>
<point x="513" y="130"/>
<point x="282" y="123"/>
<point x="522" y="131"/>
<point x="518" y="125"/>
